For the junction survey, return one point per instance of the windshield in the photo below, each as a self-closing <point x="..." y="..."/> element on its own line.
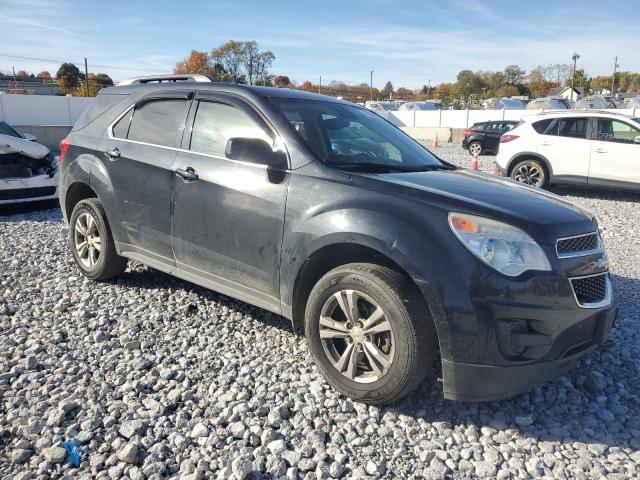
<point x="5" y="129"/>
<point x="352" y="137"/>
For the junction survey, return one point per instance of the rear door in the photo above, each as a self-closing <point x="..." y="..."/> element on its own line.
<point x="228" y="218"/>
<point x="564" y="144"/>
<point x="138" y="156"/>
<point x="615" y="157"/>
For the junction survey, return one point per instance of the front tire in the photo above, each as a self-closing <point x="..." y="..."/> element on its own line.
<point x="369" y="332"/>
<point x="531" y="172"/>
<point x="91" y="242"/>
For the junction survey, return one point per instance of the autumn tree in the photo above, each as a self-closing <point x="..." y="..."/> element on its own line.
<point x="507" y="91"/>
<point x="196" y="62"/>
<point x="306" y="86"/>
<point x="404" y="94"/>
<point x="45" y="76"/>
<point x="22" y="73"/>
<point x="282" y="81"/>
<point x="538" y="85"/>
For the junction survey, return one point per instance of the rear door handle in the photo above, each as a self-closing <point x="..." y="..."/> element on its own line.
<point x="188" y="174"/>
<point x="600" y="150"/>
<point x="546" y="144"/>
<point x="113" y="153"/>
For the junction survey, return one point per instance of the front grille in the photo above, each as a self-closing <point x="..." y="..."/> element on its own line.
<point x="579" y="245"/>
<point x="20" y="193"/>
<point x="591" y="290"/>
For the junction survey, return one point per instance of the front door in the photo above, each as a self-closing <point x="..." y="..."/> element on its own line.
<point x="228" y="216"/>
<point x="137" y="157"/>
<point x="615" y="157"/>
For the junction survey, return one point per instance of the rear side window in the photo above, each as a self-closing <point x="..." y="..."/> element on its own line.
<point x="216" y="123"/>
<point x="542" y="125"/>
<point x="570" y="127"/>
<point x="157" y="122"/>
<point x="99" y="105"/>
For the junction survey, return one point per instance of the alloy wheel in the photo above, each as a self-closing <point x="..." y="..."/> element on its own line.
<point x="529" y="174"/>
<point x="356" y="335"/>
<point x="87" y="241"/>
<point x="475" y="148"/>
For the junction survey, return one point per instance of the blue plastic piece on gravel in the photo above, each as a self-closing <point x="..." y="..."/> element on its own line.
<point x="74" y="452"/>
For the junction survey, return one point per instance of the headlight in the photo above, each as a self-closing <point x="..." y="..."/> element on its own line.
<point x="501" y="246"/>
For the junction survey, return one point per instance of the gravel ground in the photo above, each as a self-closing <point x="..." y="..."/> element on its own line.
<point x="156" y="377"/>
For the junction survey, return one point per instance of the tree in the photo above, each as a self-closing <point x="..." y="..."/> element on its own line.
<point x="22" y="73"/>
<point x="196" y="62"/>
<point x="69" y="77"/>
<point x="507" y="91"/>
<point x="306" y="86"/>
<point x="387" y="91"/>
<point x="404" y="93"/>
<point x="263" y="63"/>
<point x="514" y="75"/>
<point x="282" y="81"/>
<point x="599" y="83"/>
<point x="45" y="77"/>
<point x="232" y="56"/>
<point x="538" y="85"/>
<point x="580" y="79"/>
<point x="469" y="83"/>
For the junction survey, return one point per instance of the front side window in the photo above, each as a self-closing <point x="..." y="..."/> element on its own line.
<point x="216" y="123"/>
<point x="348" y="136"/>
<point x="570" y="127"/>
<point x="157" y="122"/>
<point x="615" y="131"/>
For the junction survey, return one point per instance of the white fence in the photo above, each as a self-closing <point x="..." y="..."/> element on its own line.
<point x="41" y="110"/>
<point x="465" y="118"/>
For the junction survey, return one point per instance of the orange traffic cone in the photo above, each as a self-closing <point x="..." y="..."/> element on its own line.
<point x="474" y="162"/>
<point x="434" y="143"/>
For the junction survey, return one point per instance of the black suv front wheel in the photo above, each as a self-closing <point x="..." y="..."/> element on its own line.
<point x="369" y="333"/>
<point x="92" y="243"/>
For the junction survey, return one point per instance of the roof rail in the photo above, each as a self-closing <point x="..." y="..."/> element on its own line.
<point x="189" y="77"/>
<point x="573" y="111"/>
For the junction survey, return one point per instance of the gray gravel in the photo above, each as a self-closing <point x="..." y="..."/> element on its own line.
<point x="159" y="378"/>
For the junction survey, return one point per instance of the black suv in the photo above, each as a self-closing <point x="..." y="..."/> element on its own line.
<point x="484" y="137"/>
<point x="322" y="211"/>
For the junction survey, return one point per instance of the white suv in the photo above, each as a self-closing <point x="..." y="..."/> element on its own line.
<point x="585" y="148"/>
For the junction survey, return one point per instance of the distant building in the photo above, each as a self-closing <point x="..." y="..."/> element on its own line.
<point x="27" y="85"/>
<point x="567" y="93"/>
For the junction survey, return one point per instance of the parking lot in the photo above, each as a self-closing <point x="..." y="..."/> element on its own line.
<point x="157" y="377"/>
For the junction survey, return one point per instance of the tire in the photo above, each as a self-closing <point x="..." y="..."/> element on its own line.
<point x="99" y="260"/>
<point x="475" y="146"/>
<point x="403" y="354"/>
<point x="531" y="172"/>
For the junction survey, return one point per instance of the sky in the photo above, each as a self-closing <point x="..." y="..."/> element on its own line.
<point x="407" y="42"/>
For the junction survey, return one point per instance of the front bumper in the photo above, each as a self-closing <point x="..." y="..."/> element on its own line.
<point x="470" y="382"/>
<point x="32" y="189"/>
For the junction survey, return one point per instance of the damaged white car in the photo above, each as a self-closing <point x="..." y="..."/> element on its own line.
<point x="28" y="170"/>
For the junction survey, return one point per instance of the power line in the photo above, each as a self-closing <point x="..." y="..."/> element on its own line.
<point x="50" y="60"/>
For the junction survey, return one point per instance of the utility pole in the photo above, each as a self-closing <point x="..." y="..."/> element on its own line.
<point x="428" y="89"/>
<point x="320" y="85"/>
<point x="86" y="76"/>
<point x="575" y="58"/>
<point x="613" y="78"/>
<point x="371" y="86"/>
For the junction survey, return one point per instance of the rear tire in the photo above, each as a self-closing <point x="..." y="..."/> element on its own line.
<point x="91" y="242"/>
<point x="531" y="172"/>
<point x="475" y="148"/>
<point x="375" y="358"/>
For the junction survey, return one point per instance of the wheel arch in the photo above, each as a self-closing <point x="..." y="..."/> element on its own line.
<point x="76" y="192"/>
<point x="519" y="157"/>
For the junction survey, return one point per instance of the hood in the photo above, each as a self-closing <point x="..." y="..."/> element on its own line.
<point x="10" y="144"/>
<point x="544" y="215"/>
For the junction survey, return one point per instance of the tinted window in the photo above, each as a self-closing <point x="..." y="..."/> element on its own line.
<point x="570" y="127"/>
<point x="99" y="105"/>
<point x="121" y="128"/>
<point x="216" y="123"/>
<point x="157" y="122"/>
<point x="614" y="131"/>
<point x="542" y="125"/>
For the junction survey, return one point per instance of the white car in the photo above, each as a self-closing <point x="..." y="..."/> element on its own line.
<point x="28" y="170"/>
<point x="585" y="148"/>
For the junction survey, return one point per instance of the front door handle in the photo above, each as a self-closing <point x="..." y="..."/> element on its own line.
<point x="600" y="150"/>
<point x="188" y="174"/>
<point x="113" y="153"/>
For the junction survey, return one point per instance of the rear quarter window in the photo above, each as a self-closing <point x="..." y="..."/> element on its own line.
<point x="99" y="105"/>
<point x="541" y="125"/>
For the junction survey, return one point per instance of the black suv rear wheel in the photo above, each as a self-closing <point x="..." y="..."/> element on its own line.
<point x="92" y="243"/>
<point x="369" y="333"/>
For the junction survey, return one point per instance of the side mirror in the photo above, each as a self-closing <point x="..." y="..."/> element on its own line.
<point x="28" y="136"/>
<point x="637" y="139"/>
<point x="254" y="150"/>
